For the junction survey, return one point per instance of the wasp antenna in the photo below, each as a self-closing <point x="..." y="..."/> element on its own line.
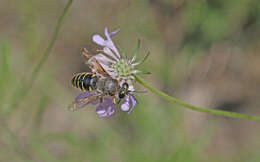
<point x="139" y="91"/>
<point x="136" y="51"/>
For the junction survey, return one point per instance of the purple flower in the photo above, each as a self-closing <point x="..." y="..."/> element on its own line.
<point x="107" y="43"/>
<point x="110" y="62"/>
<point x="106" y="108"/>
<point x="116" y="64"/>
<point x="128" y="103"/>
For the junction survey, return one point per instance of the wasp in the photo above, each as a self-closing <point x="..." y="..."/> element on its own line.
<point x="89" y="81"/>
<point x="100" y="87"/>
<point x="98" y="82"/>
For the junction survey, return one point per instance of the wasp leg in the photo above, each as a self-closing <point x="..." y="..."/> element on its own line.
<point x="114" y="99"/>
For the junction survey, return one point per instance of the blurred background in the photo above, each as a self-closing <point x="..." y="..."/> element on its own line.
<point x="205" y="52"/>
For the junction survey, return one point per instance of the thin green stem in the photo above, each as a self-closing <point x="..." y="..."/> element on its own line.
<point x="53" y="40"/>
<point x="192" y="107"/>
<point x="22" y="91"/>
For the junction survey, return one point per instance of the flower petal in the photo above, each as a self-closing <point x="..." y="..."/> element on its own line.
<point x="106" y="108"/>
<point x="107" y="42"/>
<point x="102" y="59"/>
<point x="114" y="32"/>
<point x="110" y="53"/>
<point x="131" y="87"/>
<point x="105" y="63"/>
<point x="95" y="102"/>
<point x="125" y="106"/>
<point x="129" y="101"/>
<point x="110" y="44"/>
<point x="98" y="40"/>
<point x="133" y="102"/>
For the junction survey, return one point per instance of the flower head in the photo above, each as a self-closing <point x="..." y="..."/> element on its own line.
<point x="115" y="63"/>
<point x="109" y="62"/>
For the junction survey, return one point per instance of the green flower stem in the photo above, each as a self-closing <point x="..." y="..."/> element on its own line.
<point x="53" y="40"/>
<point x="192" y="107"/>
<point x="22" y="91"/>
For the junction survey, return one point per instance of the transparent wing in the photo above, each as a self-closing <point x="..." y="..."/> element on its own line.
<point x="82" y="102"/>
<point x="93" y="64"/>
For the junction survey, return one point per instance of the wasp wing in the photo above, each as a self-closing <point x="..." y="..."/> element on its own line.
<point x="82" y="100"/>
<point x="92" y="62"/>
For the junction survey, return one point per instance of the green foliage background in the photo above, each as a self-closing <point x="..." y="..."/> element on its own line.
<point x="185" y="38"/>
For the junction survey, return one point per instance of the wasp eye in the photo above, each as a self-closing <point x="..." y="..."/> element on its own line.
<point x="121" y="94"/>
<point x="125" y="85"/>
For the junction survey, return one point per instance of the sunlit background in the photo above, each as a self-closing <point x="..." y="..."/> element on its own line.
<point x="205" y="52"/>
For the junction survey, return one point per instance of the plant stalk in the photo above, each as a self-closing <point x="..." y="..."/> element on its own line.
<point x="196" y="108"/>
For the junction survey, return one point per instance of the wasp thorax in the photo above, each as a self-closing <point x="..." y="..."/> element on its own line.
<point x="107" y="86"/>
<point x="110" y="85"/>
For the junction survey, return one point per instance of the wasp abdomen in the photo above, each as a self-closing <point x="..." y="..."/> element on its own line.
<point x="84" y="81"/>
